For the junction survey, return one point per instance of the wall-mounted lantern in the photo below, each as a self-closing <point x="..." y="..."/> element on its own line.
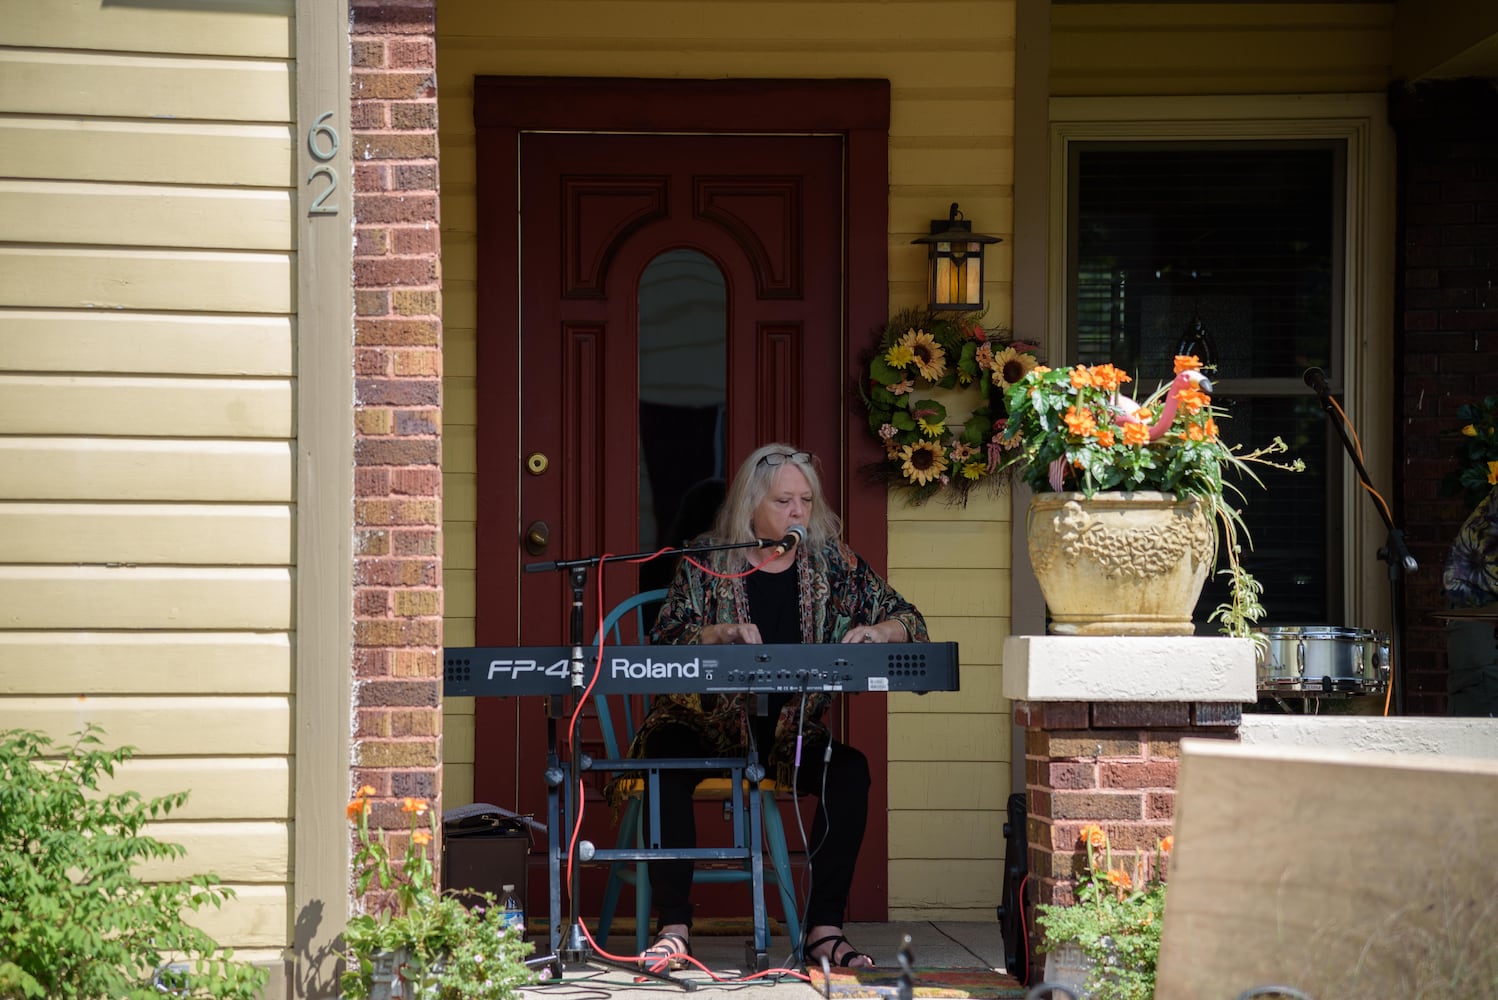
<point x="954" y="273"/>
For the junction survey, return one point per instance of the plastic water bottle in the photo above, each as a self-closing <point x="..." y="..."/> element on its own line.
<point x="514" y="912"/>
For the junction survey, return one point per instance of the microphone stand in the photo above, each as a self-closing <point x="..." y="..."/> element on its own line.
<point x="1393" y="551"/>
<point x="578" y="950"/>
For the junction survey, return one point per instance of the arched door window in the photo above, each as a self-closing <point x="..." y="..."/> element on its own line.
<point x="683" y="364"/>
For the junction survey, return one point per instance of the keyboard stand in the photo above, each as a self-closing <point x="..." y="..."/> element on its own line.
<point x="744" y="772"/>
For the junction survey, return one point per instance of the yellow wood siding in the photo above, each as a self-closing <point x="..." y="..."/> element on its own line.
<point x="33" y="340"/>
<point x="1121" y="49"/>
<point x="147" y="414"/>
<point x="951" y="69"/>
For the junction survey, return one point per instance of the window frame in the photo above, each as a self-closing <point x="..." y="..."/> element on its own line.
<point x="1363" y="375"/>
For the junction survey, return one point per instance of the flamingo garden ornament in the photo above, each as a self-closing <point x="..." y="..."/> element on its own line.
<point x="1128" y="410"/>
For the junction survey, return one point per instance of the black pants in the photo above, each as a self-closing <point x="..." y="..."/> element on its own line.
<point x="836" y="832"/>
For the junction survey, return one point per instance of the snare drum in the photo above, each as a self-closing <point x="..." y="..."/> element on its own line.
<point x="1323" y="658"/>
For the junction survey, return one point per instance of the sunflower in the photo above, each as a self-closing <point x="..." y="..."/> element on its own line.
<point x="922" y="462"/>
<point x="1009" y="366"/>
<point x="899" y="355"/>
<point x="930" y="357"/>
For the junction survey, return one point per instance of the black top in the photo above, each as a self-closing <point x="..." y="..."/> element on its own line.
<point x="775" y="606"/>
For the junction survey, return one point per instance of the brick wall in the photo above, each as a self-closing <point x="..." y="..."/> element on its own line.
<point x="1110" y="763"/>
<point x="1447" y="321"/>
<point x="398" y="372"/>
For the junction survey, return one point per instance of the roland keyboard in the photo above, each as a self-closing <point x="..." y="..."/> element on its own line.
<point x="760" y="669"/>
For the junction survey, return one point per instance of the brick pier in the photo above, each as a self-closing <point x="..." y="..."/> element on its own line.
<point x="1104" y="718"/>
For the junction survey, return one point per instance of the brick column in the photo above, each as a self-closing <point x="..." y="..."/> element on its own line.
<point x="1446" y="315"/>
<point x="397" y="418"/>
<point x="1103" y="719"/>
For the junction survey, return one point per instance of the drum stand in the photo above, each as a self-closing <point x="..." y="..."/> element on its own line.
<point x="1393" y="550"/>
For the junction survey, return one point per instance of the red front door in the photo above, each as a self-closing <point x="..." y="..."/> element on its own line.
<point x="763" y="215"/>
<point x="766" y="212"/>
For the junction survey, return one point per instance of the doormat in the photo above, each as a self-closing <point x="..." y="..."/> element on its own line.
<point x="976" y="984"/>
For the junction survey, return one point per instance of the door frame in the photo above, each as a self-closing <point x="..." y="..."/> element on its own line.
<point x="504" y="108"/>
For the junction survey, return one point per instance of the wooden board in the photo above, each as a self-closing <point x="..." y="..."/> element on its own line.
<point x="166" y="152"/>
<point x="145" y="407"/>
<point x="144" y="663"/>
<point x="1342" y="874"/>
<point x="36" y="340"/>
<point x="60" y="468"/>
<point x="193" y="534"/>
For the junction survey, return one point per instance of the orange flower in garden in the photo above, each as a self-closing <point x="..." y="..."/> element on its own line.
<point x="1093" y="835"/>
<point x="1109" y="378"/>
<point x="1192" y="399"/>
<point x="1188" y="363"/>
<point x="1195" y="432"/>
<point x="1105" y="438"/>
<point x="1120" y="878"/>
<point x="1168" y="844"/>
<point x="421" y="837"/>
<point x="1081" y="377"/>
<point x="417" y="806"/>
<point x="1211" y="428"/>
<point x="1136" y="434"/>
<point x="359" y="804"/>
<point x="1079" y="422"/>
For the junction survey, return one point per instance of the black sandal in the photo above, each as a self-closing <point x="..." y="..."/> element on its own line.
<point x="832" y="956"/>
<point x="670" y="951"/>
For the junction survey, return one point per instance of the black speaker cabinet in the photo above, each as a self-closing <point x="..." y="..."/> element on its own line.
<point x="485" y="860"/>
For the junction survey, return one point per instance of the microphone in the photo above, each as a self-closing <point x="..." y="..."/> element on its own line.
<point x="794" y="535"/>
<point x="1316" y="379"/>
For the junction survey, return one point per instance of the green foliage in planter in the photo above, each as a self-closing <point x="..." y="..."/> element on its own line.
<point x="1476" y="471"/>
<point x="75" y="920"/>
<point x="1116" y="921"/>
<point x="441" y="949"/>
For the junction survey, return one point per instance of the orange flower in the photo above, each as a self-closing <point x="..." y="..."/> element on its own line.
<point x="1168" y="844"/>
<point x="1120" y="878"/>
<point x="1079" y="422"/>
<point x="357" y="807"/>
<point x="417" y="806"/>
<point x="365" y="791"/>
<point x="1093" y="835"/>
<point x="1105" y="438"/>
<point x="1109" y="378"/>
<point x="421" y="837"/>
<point x="1211" y="428"/>
<point x="1193" y="399"/>
<point x="1081" y="377"/>
<point x="1136" y="434"/>
<point x="1195" y="432"/>
<point x="1187" y="363"/>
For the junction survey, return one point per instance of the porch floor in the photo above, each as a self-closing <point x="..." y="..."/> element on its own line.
<point x="943" y="944"/>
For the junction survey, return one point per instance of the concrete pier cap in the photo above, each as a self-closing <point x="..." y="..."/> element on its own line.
<point x="1126" y="668"/>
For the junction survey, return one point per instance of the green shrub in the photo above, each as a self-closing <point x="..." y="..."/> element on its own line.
<point x="76" y="923"/>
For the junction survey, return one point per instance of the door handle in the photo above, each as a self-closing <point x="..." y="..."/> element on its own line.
<point x="537" y="537"/>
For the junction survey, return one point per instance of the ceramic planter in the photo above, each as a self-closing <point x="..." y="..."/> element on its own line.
<point x="1120" y="563"/>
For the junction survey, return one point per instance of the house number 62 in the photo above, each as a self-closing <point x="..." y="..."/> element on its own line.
<point x="322" y="143"/>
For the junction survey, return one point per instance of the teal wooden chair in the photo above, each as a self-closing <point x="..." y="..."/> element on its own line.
<point x="629" y="710"/>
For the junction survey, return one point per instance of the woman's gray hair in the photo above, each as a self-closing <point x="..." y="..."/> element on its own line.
<point x="751" y="484"/>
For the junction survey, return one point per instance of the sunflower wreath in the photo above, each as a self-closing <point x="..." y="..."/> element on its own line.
<point x="921" y="355"/>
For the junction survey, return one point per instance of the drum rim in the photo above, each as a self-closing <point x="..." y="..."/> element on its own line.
<point x="1318" y="631"/>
